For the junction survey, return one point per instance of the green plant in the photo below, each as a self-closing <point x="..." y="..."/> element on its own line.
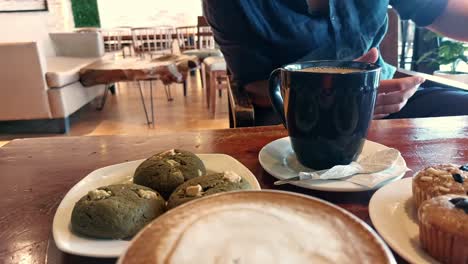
<point x="86" y="13"/>
<point x="448" y="52"/>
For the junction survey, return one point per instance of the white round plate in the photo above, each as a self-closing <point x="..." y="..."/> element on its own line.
<point x="71" y="243"/>
<point x="394" y="216"/>
<point x="279" y="160"/>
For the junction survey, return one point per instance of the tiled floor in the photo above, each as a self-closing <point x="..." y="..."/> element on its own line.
<point x="123" y="113"/>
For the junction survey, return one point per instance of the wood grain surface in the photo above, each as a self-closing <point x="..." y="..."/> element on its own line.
<point x="37" y="173"/>
<point x="168" y="68"/>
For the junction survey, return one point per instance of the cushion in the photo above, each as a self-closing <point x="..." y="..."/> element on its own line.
<point x="203" y="53"/>
<point x="62" y="71"/>
<point x="215" y="63"/>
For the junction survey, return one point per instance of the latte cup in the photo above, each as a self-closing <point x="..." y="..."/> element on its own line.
<point x="327" y="107"/>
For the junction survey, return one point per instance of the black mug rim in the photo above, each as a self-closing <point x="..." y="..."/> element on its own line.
<point x="367" y="67"/>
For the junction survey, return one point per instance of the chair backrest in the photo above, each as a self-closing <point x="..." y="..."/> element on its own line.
<point x="389" y="45"/>
<point x="22" y="76"/>
<point x="81" y="45"/>
<point x="187" y="37"/>
<point x="113" y="39"/>
<point x="152" y="39"/>
<point x="205" y="35"/>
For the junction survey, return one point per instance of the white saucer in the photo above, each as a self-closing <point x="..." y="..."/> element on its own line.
<point x="69" y="242"/>
<point x="279" y="160"/>
<point x="394" y="216"/>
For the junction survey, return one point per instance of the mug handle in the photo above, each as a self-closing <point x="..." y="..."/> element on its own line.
<point x="274" y="87"/>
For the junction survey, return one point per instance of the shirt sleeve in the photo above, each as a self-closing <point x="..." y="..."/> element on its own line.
<point x="422" y="12"/>
<point x="236" y="41"/>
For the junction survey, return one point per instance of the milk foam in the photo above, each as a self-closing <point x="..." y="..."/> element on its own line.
<point x="260" y="234"/>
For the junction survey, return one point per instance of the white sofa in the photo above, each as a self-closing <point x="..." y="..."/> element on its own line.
<point x="45" y="90"/>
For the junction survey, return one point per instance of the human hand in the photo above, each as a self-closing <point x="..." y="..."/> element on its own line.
<point x="392" y="94"/>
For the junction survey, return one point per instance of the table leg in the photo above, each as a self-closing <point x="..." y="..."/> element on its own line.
<point x="143" y="103"/>
<point x="152" y="107"/>
<point x="212" y="91"/>
<point x="185" y="86"/>
<point x="104" y="97"/>
<point x="208" y="89"/>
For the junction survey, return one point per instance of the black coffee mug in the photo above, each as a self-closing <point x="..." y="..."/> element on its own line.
<point x="327" y="112"/>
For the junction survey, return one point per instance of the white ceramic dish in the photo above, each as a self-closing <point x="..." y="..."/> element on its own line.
<point x="119" y="173"/>
<point x="279" y="160"/>
<point x="394" y="216"/>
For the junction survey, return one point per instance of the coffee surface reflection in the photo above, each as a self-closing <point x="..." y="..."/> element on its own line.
<point x="330" y="70"/>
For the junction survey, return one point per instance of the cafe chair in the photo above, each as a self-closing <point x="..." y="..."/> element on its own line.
<point x="154" y="42"/>
<point x="205" y="34"/>
<point x="113" y="41"/>
<point x="198" y="41"/>
<point x="187" y="38"/>
<point x="215" y="72"/>
<point x="241" y="110"/>
<point x="126" y="39"/>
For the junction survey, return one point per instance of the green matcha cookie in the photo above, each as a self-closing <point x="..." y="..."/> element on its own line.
<point x="165" y="171"/>
<point x="116" y="211"/>
<point x="206" y="185"/>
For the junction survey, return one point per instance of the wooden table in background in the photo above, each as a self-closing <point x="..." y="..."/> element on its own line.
<point x="168" y="68"/>
<point x="37" y="173"/>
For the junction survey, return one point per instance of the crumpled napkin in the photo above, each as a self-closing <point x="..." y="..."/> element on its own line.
<point x="367" y="171"/>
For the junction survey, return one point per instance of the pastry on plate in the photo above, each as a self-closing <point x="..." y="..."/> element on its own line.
<point x="165" y="171"/>
<point x="439" y="180"/>
<point x="443" y="228"/>
<point x="207" y="185"/>
<point x="116" y="211"/>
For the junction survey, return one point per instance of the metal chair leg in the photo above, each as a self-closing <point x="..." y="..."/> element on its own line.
<point x="143" y="103"/>
<point x="112" y="88"/>
<point x="167" y="88"/>
<point x="104" y="98"/>
<point x="185" y="86"/>
<point x="201" y="77"/>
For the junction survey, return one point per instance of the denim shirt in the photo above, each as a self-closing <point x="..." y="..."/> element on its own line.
<point x="257" y="36"/>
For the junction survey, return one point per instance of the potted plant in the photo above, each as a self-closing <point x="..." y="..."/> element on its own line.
<point x="450" y="53"/>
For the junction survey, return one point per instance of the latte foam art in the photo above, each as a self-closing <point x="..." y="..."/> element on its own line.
<point x="256" y="227"/>
<point x="278" y="235"/>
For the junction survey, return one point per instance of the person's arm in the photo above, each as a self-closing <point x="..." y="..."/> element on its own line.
<point x="453" y="22"/>
<point x="447" y="17"/>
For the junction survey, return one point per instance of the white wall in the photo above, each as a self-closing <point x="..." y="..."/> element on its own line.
<point x="26" y="27"/>
<point x="137" y="13"/>
<point x="35" y="26"/>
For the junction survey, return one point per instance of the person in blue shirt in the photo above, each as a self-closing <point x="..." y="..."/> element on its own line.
<point x="257" y="36"/>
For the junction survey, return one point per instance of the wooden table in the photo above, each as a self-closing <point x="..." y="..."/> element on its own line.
<point x="167" y="68"/>
<point x="37" y="173"/>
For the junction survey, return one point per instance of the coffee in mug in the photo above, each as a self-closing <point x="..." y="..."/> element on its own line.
<point x="329" y="70"/>
<point x="327" y="107"/>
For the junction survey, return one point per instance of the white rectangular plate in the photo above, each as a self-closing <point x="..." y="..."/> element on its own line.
<point x="114" y="174"/>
